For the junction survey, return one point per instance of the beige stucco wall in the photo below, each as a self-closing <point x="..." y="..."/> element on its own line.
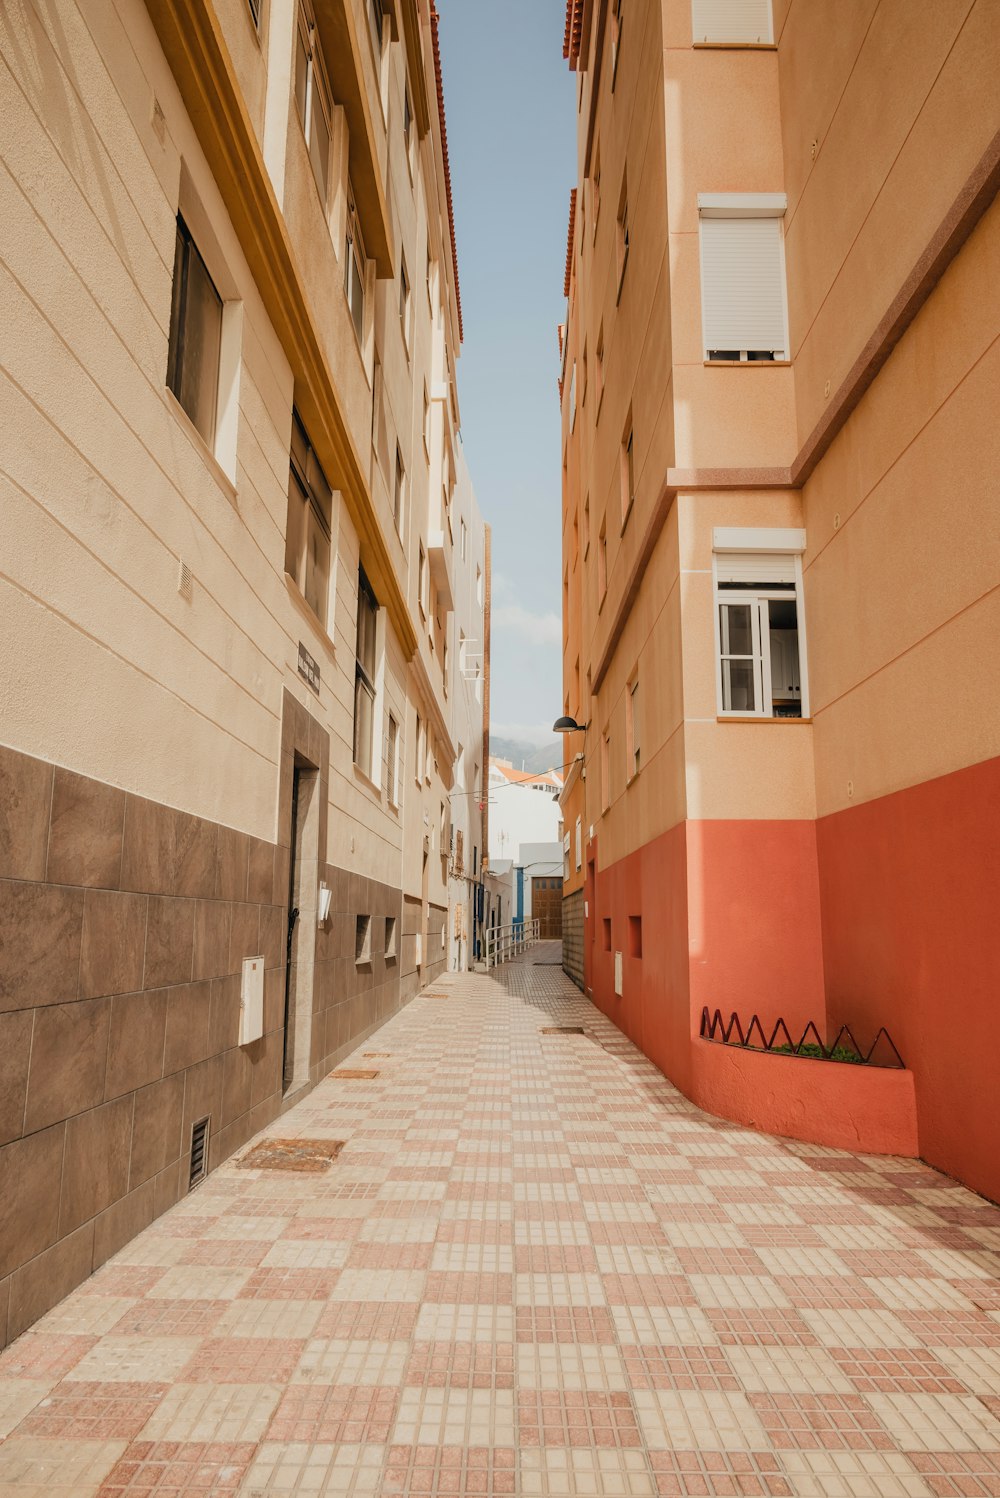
<point x="111" y="487"/>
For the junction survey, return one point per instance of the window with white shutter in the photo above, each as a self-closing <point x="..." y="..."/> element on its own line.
<point x="733" y="21"/>
<point x="744" y="314"/>
<point x="759" y="629"/>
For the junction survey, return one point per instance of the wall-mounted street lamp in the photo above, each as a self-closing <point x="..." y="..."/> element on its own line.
<point x="568" y="725"/>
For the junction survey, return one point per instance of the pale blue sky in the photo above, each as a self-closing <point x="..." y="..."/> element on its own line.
<point x="511" y="113"/>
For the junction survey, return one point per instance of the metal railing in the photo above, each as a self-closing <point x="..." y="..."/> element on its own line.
<point x="844" y="1048"/>
<point x="504" y="942"/>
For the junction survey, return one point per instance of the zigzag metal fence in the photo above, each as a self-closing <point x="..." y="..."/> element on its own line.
<point x="715" y="1028"/>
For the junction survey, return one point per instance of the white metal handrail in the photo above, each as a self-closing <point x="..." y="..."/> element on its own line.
<point x="505" y="942"/>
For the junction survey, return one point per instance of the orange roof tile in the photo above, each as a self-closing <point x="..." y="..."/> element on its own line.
<point x="569" y="241"/>
<point x="573" y="36"/>
<point x="435" y="23"/>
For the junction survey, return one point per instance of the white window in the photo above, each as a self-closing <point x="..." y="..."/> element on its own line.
<point x="313" y="99"/>
<point x="355" y="270"/>
<point x="308" y="534"/>
<point x="392" y="763"/>
<point x="736" y="21"/>
<point x="744" y="313"/>
<point x="364" y="675"/>
<point x="759" y="626"/>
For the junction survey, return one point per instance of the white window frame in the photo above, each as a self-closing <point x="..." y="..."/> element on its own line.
<point x="766" y="542"/>
<point x="318" y="92"/>
<point x="732" y="207"/>
<point x="355" y="269"/>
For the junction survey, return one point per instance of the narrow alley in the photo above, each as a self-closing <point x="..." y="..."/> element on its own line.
<point x="533" y="1268"/>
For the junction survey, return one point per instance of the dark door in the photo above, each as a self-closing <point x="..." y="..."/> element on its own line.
<point x="546" y="907"/>
<point x="293" y="915"/>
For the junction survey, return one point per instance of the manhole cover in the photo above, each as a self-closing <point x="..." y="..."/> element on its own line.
<point x="563" y="1030"/>
<point x="349" y="1074"/>
<point x="311" y="1155"/>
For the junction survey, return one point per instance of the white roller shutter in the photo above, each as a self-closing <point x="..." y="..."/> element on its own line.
<point x="743" y="285"/>
<point x="753" y="567"/>
<point x="731" y="21"/>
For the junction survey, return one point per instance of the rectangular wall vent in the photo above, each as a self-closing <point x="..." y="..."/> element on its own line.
<point x="199" y="1152"/>
<point x="185" y="583"/>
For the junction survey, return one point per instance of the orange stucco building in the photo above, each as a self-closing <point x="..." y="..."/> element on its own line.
<point x="780" y="367"/>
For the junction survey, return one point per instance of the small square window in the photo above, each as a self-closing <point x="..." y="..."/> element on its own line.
<point x="623" y="233"/>
<point x="635" y="936"/>
<point x="606" y="925"/>
<point x="390" y="938"/>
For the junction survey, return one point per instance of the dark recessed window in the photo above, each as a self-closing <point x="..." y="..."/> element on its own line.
<point x="195" y="335"/>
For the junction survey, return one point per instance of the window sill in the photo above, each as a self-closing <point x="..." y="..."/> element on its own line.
<point x="734" y="718"/>
<point x="298" y="599"/>
<point x="201" y="446"/>
<point x="747" y="363"/>
<point x="367" y="781"/>
<point x="735" y="46"/>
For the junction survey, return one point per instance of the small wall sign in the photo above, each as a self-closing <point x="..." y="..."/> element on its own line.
<point x="308" y="668"/>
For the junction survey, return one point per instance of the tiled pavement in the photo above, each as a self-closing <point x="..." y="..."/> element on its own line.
<point x="534" y="1269"/>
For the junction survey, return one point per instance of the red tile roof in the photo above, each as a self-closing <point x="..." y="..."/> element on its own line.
<point x="435" y="23"/>
<point x="569" y="241"/>
<point x="574" y="30"/>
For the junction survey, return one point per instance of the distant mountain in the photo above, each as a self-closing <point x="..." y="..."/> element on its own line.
<point x="529" y="755"/>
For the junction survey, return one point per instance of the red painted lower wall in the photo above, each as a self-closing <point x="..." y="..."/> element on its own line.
<point x="730" y="919"/>
<point x="910" y="890"/>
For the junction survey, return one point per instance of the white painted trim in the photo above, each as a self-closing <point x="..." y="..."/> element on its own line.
<point x="742" y="204"/>
<point x="781" y="539"/>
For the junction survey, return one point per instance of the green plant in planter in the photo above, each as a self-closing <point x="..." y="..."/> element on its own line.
<point x="839" y="1053"/>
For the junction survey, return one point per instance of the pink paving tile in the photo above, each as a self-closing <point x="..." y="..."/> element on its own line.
<point x="38" y="1354"/>
<point x="478" y="1471"/>
<point x="551" y="1417"/>
<point x="123" y="1279"/>
<point x="476" y="1365"/>
<point x="720" y="1261"/>
<point x="718" y="1474"/>
<point x="952" y="1328"/>
<point x="225" y="1253"/>
<point x="171" y="1318"/>
<point x="558" y="1260"/>
<point x="290" y="1284"/>
<point x="800" y="1422"/>
<point x="178" y="1469"/>
<point x="896" y="1370"/>
<point x="649" y="1290"/>
<point x="365" y="1414"/>
<point x="775" y="1327"/>
<point x="696" y="1367"/>
<point x="592" y="1325"/>
<point x="959" y="1474"/>
<point x="244" y="1360"/>
<point x="455" y="1288"/>
<point x="818" y="1292"/>
<point x="93" y="1411"/>
<point x="368" y="1321"/>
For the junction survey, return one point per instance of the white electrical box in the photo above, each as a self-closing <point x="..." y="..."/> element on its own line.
<point x="252" y="1000"/>
<point x="618" y="975"/>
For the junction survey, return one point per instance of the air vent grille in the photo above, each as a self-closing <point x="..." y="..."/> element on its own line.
<point x="199" y="1152"/>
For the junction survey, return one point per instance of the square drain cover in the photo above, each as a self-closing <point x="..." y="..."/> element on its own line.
<point x="563" y="1030"/>
<point x="310" y="1155"/>
<point x="349" y="1074"/>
